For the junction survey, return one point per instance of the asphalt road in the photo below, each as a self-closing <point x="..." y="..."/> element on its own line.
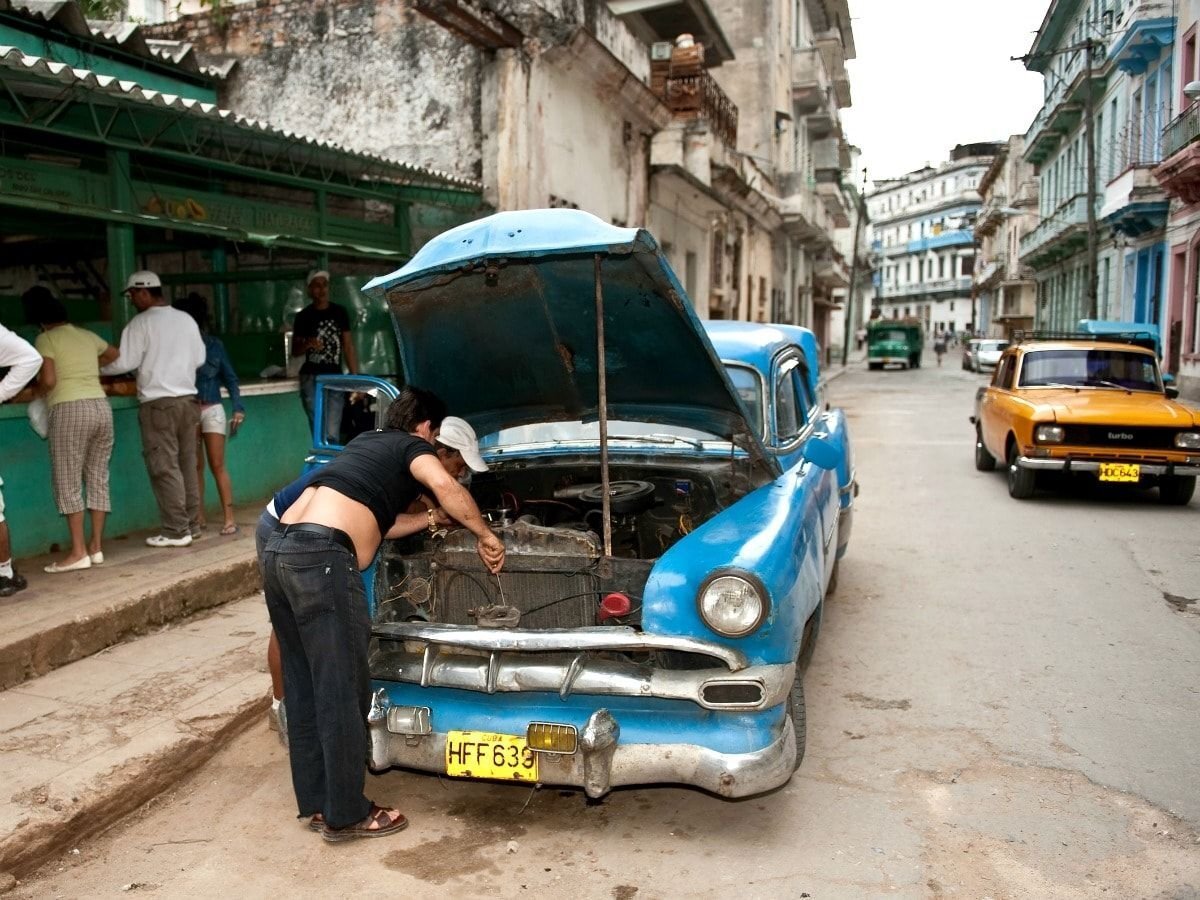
<point x="1005" y="702"/>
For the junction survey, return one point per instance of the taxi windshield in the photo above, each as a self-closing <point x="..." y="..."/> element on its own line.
<point x="892" y="334"/>
<point x="1090" y="368"/>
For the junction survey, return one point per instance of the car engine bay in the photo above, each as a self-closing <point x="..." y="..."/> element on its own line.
<point x="549" y="515"/>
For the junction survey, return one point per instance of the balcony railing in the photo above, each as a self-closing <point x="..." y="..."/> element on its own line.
<point x="1070" y="214"/>
<point x="1181" y="131"/>
<point x="921" y="288"/>
<point x="700" y="97"/>
<point x="1139" y="144"/>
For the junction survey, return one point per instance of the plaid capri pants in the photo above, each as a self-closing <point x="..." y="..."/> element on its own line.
<point x="81" y="443"/>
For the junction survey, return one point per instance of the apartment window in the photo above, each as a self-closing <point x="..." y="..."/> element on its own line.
<point x="941" y="267"/>
<point x="1196" y="307"/>
<point x="966" y="265"/>
<point x="1189" y="67"/>
<point x="689" y="273"/>
<point x="718" y="258"/>
<point x="907" y="272"/>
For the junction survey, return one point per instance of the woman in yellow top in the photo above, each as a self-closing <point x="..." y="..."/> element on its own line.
<point x="81" y="423"/>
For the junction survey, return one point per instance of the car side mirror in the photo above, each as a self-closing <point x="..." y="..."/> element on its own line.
<point x="822" y="452"/>
<point x="1171" y="392"/>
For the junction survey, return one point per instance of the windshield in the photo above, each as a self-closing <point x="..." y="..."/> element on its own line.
<point x="589" y="432"/>
<point x="746" y="383"/>
<point x="1090" y="368"/>
<point x="993" y="346"/>
<point x="892" y="334"/>
<point x="748" y="387"/>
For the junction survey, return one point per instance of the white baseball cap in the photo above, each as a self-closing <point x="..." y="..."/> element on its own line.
<point x="143" y="279"/>
<point x="315" y="274"/>
<point x="458" y="435"/>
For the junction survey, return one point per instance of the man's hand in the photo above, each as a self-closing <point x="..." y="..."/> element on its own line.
<point x="491" y="551"/>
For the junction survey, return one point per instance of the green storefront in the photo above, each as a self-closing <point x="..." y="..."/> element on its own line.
<point x="121" y="161"/>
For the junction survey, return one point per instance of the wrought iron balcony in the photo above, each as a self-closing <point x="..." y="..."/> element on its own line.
<point x="1057" y="236"/>
<point x="1184" y="129"/>
<point x="700" y="97"/>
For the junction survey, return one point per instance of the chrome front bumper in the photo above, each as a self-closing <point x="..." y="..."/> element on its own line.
<point x="1093" y="465"/>
<point x="601" y="762"/>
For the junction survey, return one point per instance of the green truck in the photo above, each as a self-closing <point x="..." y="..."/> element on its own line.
<point x="898" y="341"/>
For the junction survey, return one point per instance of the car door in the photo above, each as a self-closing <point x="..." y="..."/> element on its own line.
<point x="995" y="408"/>
<point x="347" y="405"/>
<point x="795" y="418"/>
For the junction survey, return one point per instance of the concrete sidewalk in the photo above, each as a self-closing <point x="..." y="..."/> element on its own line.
<point x="117" y="721"/>
<point x="62" y="618"/>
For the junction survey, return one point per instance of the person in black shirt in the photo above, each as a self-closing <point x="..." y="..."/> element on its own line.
<point x="321" y="334"/>
<point x="312" y="579"/>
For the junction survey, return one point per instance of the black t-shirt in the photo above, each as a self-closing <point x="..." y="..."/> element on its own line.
<point x="328" y="324"/>
<point x="374" y="470"/>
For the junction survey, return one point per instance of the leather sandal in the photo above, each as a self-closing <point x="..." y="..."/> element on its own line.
<point x="378" y="823"/>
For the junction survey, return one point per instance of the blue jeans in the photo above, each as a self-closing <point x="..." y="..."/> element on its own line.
<point x="318" y="607"/>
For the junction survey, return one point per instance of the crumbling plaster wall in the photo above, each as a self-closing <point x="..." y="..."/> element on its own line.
<point x="374" y="76"/>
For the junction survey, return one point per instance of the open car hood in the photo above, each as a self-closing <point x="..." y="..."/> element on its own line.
<point x="498" y="317"/>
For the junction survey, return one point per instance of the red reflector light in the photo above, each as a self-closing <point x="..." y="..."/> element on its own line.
<point x="613" y="606"/>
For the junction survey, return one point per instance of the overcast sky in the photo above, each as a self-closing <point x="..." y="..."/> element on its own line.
<point x="930" y="74"/>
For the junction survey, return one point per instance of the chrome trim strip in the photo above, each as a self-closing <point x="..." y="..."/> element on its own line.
<point x="515" y="673"/>
<point x="518" y="640"/>
<point x="1093" y="465"/>
<point x="602" y="762"/>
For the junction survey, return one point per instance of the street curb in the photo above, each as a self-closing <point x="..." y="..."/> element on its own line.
<point x="36" y="654"/>
<point x="124" y="789"/>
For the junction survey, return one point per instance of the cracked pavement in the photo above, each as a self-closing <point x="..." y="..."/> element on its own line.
<point x="1004" y="702"/>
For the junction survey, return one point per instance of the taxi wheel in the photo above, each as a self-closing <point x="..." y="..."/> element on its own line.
<point x="984" y="461"/>
<point x="799" y="716"/>
<point x="808" y="640"/>
<point x="1021" y="482"/>
<point x="1176" y="490"/>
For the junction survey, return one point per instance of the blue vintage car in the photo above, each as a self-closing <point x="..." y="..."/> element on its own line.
<point x="673" y="495"/>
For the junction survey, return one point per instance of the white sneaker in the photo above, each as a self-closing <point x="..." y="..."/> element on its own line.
<point x="161" y="540"/>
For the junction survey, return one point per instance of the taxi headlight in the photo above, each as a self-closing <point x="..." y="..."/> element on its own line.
<point x="732" y="605"/>
<point x="1188" y="440"/>
<point x="1049" y="434"/>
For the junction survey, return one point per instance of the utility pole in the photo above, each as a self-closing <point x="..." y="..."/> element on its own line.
<point x="859" y="204"/>
<point x="1093" y="247"/>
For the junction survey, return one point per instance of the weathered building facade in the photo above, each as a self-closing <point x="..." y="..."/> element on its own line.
<point x="1122" y="85"/>
<point x="922" y="232"/>
<point x="1179" y="174"/>
<point x="1005" y="289"/>
<point x="733" y="159"/>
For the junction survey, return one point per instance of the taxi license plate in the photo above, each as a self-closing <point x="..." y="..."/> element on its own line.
<point x="1120" y="471"/>
<point x="482" y="754"/>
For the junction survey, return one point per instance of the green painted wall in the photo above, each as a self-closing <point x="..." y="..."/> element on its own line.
<point x="267" y="453"/>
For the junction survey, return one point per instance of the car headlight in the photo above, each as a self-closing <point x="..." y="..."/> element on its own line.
<point x="1188" y="440"/>
<point x="732" y="605"/>
<point x="1049" y="434"/>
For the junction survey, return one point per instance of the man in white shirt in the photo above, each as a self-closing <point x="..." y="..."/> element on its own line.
<point x="165" y="347"/>
<point x="22" y="362"/>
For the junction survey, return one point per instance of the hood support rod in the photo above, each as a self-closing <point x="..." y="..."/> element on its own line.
<point x="602" y="408"/>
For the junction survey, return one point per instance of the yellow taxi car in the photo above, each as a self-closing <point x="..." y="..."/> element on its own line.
<point x="1072" y="403"/>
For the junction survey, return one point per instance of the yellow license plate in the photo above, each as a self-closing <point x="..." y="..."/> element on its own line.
<point x="482" y="754"/>
<point x="1120" y="471"/>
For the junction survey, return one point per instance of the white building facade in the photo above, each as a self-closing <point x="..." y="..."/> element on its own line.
<point x="1005" y="289"/>
<point x="921" y="232"/>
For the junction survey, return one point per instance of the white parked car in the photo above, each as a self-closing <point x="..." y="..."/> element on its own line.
<point x="985" y="353"/>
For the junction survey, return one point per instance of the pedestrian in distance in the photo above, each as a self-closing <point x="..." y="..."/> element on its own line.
<point x="312" y="568"/>
<point x="217" y="371"/>
<point x="164" y="345"/>
<point x="457" y="449"/>
<point x="80" y="424"/>
<point x="22" y="362"/>
<point x="321" y="334"/>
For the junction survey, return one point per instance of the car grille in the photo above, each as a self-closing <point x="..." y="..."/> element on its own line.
<point x="1133" y="438"/>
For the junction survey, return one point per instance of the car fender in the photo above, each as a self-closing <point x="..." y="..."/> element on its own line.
<point x="778" y="535"/>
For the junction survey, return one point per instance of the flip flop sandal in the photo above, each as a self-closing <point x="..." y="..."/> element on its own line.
<point x="229" y="529"/>
<point x="378" y="817"/>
